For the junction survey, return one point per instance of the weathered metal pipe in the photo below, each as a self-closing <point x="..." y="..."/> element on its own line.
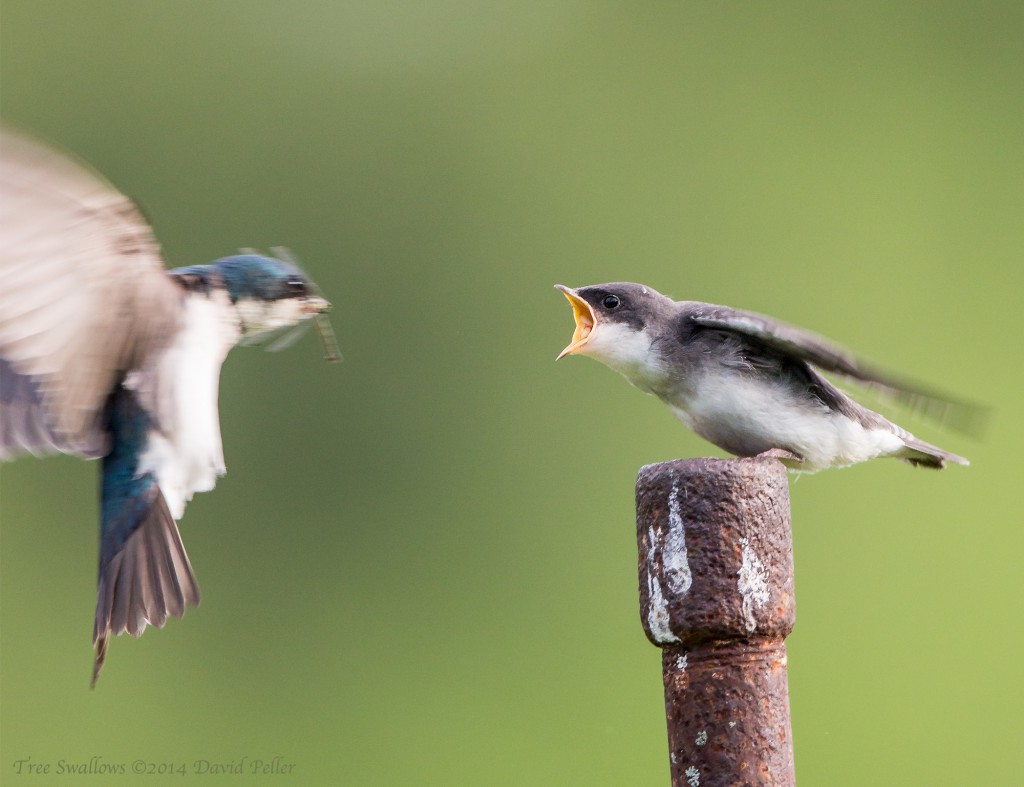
<point x="716" y="595"/>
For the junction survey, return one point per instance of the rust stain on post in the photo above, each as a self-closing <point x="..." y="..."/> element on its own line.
<point x="716" y="594"/>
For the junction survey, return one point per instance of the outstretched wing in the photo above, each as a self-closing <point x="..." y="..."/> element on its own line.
<point x="84" y="301"/>
<point x="830" y="357"/>
<point x="83" y="298"/>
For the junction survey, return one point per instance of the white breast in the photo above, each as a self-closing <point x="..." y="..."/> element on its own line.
<point x="629" y="353"/>
<point x="185" y="453"/>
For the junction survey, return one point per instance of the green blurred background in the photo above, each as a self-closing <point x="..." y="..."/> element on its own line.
<point x="421" y="567"/>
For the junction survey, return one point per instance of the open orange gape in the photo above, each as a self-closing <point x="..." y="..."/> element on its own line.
<point x="585" y="318"/>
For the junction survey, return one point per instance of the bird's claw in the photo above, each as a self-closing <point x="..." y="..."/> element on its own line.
<point x="786" y="457"/>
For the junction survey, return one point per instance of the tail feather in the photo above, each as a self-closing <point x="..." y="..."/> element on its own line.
<point x="149" y="579"/>
<point x="922" y="454"/>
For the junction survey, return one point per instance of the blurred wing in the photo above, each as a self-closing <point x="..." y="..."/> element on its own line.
<point x="831" y="357"/>
<point x="283" y="339"/>
<point x="83" y="298"/>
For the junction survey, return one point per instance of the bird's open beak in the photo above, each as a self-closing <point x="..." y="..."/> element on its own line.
<point x="585" y="318"/>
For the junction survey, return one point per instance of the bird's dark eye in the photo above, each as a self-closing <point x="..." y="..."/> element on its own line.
<point x="296" y="286"/>
<point x="610" y="301"/>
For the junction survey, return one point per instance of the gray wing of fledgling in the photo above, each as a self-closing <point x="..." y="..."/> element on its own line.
<point x="831" y="358"/>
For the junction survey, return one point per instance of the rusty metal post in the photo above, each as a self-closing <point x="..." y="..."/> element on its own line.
<point x="716" y="595"/>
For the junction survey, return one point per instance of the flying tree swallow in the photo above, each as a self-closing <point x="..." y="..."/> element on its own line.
<point x="105" y="354"/>
<point x="745" y="382"/>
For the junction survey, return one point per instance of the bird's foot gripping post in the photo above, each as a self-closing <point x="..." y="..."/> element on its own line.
<point x="716" y="595"/>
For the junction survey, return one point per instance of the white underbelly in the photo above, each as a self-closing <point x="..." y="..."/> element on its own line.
<point x="747" y="417"/>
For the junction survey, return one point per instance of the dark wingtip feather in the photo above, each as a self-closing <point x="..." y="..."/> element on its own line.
<point x="149" y="579"/>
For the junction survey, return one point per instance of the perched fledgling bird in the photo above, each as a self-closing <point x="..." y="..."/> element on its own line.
<point x="105" y="354"/>
<point x="745" y="382"/>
